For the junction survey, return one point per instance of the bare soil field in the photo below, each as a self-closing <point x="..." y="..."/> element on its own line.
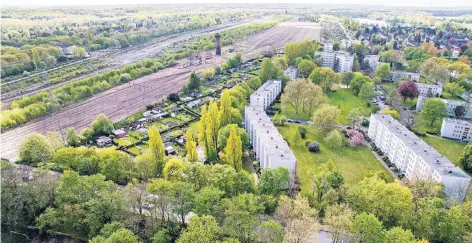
<point x="125" y="100"/>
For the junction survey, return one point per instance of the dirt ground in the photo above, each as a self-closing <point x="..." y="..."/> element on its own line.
<point x="126" y="99"/>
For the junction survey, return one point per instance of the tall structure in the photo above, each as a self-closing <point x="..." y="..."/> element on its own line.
<point x="218" y="45"/>
<point x="415" y="158"/>
<point x="339" y="61"/>
<point x="270" y="148"/>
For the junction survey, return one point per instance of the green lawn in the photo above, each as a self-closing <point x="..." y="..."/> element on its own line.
<point x="353" y="163"/>
<point x="121" y="142"/>
<point x="193" y="127"/>
<point x="448" y="96"/>
<point x="289" y="112"/>
<point x="134" y="151"/>
<point x="185" y="118"/>
<point x="449" y="148"/>
<point x="346" y="101"/>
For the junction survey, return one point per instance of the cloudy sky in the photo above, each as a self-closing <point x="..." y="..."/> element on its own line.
<point x="421" y="3"/>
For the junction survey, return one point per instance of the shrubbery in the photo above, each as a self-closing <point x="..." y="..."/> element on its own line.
<point x="314" y="147"/>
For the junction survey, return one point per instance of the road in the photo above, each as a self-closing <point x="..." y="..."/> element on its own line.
<point x="122" y="57"/>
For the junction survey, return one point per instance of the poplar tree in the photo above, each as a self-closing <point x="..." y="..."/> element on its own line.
<point x="157" y="148"/>
<point x="212" y="128"/>
<point x="233" y="150"/>
<point x="225" y="108"/>
<point x="191" y="147"/>
<point x="202" y="126"/>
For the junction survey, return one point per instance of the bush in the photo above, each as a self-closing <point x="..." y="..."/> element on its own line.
<point x="302" y="132"/>
<point x="365" y="123"/>
<point x="314" y="147"/>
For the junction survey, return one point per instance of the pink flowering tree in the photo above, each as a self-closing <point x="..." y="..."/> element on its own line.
<point x="355" y="137"/>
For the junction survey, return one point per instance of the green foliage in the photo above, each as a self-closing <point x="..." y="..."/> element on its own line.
<point x="233" y="150"/>
<point x="268" y="70"/>
<point x="367" y="92"/>
<point x="466" y="158"/>
<point x="334" y="139"/>
<point x="115" y="165"/>
<point x="382" y="72"/>
<point x="200" y="229"/>
<point x="306" y="67"/>
<point x="324" y="77"/>
<point x="274" y="181"/>
<point x="157" y="148"/>
<point x="300" y="49"/>
<point x="358" y="81"/>
<point x="454" y="89"/>
<point x="392" y="113"/>
<point x="35" y="149"/>
<point x="433" y="109"/>
<point x="367" y="228"/>
<point x="102" y="125"/>
<point x="254" y="83"/>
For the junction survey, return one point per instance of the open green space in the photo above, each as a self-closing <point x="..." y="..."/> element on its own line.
<point x="121" y="142"/>
<point x="424" y="126"/>
<point x="451" y="149"/>
<point x="449" y="96"/>
<point x="353" y="162"/>
<point x="289" y="112"/>
<point x="185" y="118"/>
<point x="346" y="101"/>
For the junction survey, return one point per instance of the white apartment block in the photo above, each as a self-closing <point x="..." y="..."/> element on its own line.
<point x="270" y="148"/>
<point x="292" y="73"/>
<point x="451" y="106"/>
<point x="456" y="129"/>
<point x="405" y="75"/>
<point x="339" y="61"/>
<point x="416" y="159"/>
<point x="435" y="90"/>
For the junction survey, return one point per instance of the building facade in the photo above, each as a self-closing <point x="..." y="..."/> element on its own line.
<point x="405" y="75"/>
<point x="429" y="89"/>
<point x="451" y="106"/>
<point x="416" y="159"/>
<point x="456" y="129"/>
<point x="339" y="61"/>
<point x="270" y="149"/>
<point x="292" y="73"/>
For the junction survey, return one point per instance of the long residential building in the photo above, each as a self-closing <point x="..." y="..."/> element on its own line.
<point x="405" y="75"/>
<point x="429" y="89"/>
<point x="415" y="158"/>
<point x="270" y="148"/>
<point x="451" y="106"/>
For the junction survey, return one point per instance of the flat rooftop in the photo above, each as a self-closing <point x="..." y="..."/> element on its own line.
<point x="457" y="121"/>
<point x="434" y="159"/>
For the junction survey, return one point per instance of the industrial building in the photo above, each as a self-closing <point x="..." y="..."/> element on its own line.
<point x="416" y="159"/>
<point x="270" y="149"/>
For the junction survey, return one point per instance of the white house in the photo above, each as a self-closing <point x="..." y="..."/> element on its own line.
<point x="270" y="148"/>
<point x="456" y="129"/>
<point x="405" y="75"/>
<point x="292" y="73"/>
<point x="435" y="90"/>
<point x="415" y="158"/>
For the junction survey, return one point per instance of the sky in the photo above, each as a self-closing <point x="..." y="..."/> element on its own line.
<point x="419" y="3"/>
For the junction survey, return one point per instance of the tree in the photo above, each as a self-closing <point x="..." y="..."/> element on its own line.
<point x="306" y="67"/>
<point x="119" y="236"/>
<point x="296" y="139"/>
<point x="466" y="158"/>
<point x="297" y="218"/>
<point x="78" y="52"/>
<point x="313" y="97"/>
<point x="35" y="149"/>
<point x="173" y="169"/>
<point x="190" y="147"/>
<point x="355" y="137"/>
<point x="408" y="89"/>
<point x="225" y="132"/>
<point x="268" y="70"/>
<point x="324" y="77"/>
<point x="182" y="202"/>
<point x="270" y="232"/>
<point x="157" y="148"/>
<point x="225" y="108"/>
<point x="339" y="218"/>
<point x="202" y="127"/>
<point x="208" y="73"/>
<point x="382" y="72"/>
<point x="274" y="181"/>
<point x="193" y="83"/>
<point x="346" y="78"/>
<point x="162" y="199"/>
<point x="212" y="120"/>
<point x="241" y="217"/>
<point x="72" y="137"/>
<point x="233" y="150"/>
<point x="367" y="92"/>
<point x="435" y="69"/>
<point x="358" y="81"/>
<point x="207" y="201"/>
<point x="254" y="83"/>
<point x="200" y="229"/>
<point x="145" y="166"/>
<point x="399" y="235"/>
<point x="429" y="48"/>
<point x="354" y="116"/>
<point x="433" y="109"/>
<point x="115" y="165"/>
<point x="366" y="196"/>
<point x="102" y="125"/>
<point x="454" y="89"/>
<point x="367" y="228"/>
<point x="325" y="118"/>
<point x="392" y="113"/>
<point x="334" y="139"/>
<point x="55" y="141"/>
<point x="292" y="94"/>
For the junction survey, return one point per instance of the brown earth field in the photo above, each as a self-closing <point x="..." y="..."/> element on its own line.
<point x="127" y="99"/>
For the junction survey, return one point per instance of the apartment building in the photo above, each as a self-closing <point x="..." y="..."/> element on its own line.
<point x="433" y="90"/>
<point x="416" y="159"/>
<point x="292" y="73"/>
<point x="339" y="61"/>
<point x="405" y="75"/>
<point x="270" y="148"/>
<point x="456" y="129"/>
<point x="451" y="106"/>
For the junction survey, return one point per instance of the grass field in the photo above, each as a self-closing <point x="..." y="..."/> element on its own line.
<point x="449" y="148"/>
<point x="290" y="112"/>
<point x="353" y="163"/>
<point x="346" y="101"/>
